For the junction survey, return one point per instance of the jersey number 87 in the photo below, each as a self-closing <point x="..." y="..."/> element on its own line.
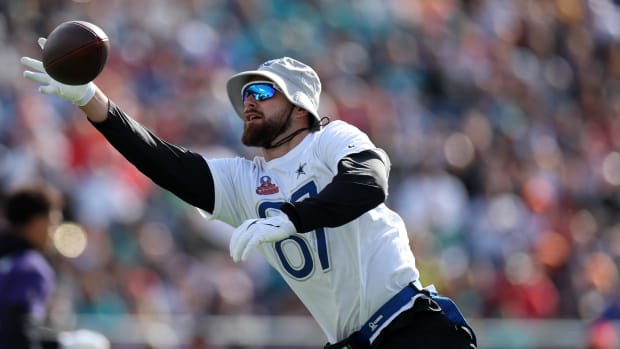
<point x="303" y="269"/>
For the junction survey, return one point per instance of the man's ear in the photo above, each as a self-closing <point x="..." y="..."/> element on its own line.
<point x="300" y="112"/>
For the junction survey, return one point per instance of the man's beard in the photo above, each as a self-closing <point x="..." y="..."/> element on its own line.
<point x="262" y="134"/>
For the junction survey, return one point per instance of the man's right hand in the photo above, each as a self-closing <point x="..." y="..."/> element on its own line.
<point x="79" y="95"/>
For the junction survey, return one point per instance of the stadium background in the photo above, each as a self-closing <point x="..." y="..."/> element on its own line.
<point x="502" y="119"/>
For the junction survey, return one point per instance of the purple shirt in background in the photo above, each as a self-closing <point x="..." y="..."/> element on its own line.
<point x="27" y="278"/>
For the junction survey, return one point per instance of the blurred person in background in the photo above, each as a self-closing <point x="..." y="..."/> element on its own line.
<point x="312" y="205"/>
<point x="27" y="280"/>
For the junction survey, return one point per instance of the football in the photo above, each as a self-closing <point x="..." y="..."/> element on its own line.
<point x="75" y="52"/>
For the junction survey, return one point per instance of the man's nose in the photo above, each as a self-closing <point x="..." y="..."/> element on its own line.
<point x="249" y="101"/>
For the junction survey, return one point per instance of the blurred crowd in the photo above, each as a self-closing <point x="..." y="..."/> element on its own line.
<point x="502" y="120"/>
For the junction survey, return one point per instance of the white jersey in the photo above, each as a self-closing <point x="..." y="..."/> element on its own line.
<point x="342" y="275"/>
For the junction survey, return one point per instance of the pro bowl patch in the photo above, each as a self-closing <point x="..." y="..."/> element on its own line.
<point x="266" y="187"/>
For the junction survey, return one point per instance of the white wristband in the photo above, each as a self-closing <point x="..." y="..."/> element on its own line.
<point x="88" y="95"/>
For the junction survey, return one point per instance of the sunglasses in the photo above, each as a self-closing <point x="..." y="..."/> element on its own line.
<point x="260" y="90"/>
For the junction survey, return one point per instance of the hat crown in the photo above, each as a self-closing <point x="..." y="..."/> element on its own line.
<point x="299" y="79"/>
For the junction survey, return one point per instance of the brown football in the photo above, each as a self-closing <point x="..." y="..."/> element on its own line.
<point x="75" y="52"/>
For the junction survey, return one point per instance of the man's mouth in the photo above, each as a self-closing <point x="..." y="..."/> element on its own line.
<point x="251" y="116"/>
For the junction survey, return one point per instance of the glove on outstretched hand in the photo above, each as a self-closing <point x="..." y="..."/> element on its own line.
<point x="254" y="231"/>
<point x="76" y="94"/>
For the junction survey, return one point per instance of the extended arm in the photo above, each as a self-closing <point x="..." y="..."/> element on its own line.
<point x="180" y="171"/>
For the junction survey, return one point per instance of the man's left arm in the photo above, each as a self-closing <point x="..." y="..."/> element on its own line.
<point x="361" y="184"/>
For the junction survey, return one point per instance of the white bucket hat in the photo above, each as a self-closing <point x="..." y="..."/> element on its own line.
<point x="296" y="80"/>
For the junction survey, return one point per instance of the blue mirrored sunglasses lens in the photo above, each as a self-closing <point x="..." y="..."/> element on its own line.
<point x="260" y="92"/>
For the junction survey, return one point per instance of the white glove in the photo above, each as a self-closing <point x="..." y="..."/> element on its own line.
<point x="76" y="94"/>
<point x="83" y="339"/>
<point x="254" y="231"/>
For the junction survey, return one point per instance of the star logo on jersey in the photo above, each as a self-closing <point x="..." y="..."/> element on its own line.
<point x="266" y="187"/>
<point x="300" y="170"/>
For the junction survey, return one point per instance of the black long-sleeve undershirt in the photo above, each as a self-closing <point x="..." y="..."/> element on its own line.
<point x="360" y="184"/>
<point x="178" y="170"/>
